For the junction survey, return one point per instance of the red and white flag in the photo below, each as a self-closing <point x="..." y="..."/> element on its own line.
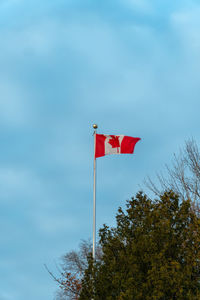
<point x="114" y="144"/>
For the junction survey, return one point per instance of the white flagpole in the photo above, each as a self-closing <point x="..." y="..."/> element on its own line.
<point x="94" y="196"/>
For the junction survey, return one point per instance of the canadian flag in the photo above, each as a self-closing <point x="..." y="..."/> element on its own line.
<point x="114" y="144"/>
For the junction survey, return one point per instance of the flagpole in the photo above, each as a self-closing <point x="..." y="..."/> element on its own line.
<point x="94" y="196"/>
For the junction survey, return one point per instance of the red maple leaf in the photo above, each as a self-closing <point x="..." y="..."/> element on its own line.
<point x="114" y="141"/>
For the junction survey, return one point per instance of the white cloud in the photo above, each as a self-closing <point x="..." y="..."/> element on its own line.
<point x="7" y="296"/>
<point x="50" y="224"/>
<point x="15" y="108"/>
<point x="186" y="23"/>
<point x="37" y="39"/>
<point x="8" y="3"/>
<point x="18" y="183"/>
<point x="97" y="46"/>
<point x="138" y="5"/>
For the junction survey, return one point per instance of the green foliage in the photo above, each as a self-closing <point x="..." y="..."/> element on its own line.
<point x="152" y="253"/>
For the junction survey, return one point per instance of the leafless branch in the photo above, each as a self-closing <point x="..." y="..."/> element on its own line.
<point x="183" y="176"/>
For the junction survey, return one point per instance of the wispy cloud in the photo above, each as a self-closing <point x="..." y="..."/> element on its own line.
<point x="186" y="22"/>
<point x="15" y="107"/>
<point x="16" y="183"/>
<point x="141" y="6"/>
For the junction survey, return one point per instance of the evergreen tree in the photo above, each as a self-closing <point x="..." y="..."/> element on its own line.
<point x="152" y="253"/>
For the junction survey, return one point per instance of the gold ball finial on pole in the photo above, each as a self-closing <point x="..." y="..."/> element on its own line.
<point x="95" y="126"/>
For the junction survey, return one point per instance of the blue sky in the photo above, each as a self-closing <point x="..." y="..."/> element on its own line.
<point x="130" y="66"/>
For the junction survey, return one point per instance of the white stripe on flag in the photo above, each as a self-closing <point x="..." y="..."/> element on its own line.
<point x="108" y="147"/>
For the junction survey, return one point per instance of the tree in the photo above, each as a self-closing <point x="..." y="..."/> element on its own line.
<point x="71" y="271"/>
<point x="152" y="253"/>
<point x="183" y="177"/>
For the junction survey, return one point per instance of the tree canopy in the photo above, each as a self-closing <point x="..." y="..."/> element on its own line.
<point x="152" y="253"/>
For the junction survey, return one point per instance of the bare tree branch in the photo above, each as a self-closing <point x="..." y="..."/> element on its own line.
<point x="183" y="176"/>
<point x="71" y="270"/>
